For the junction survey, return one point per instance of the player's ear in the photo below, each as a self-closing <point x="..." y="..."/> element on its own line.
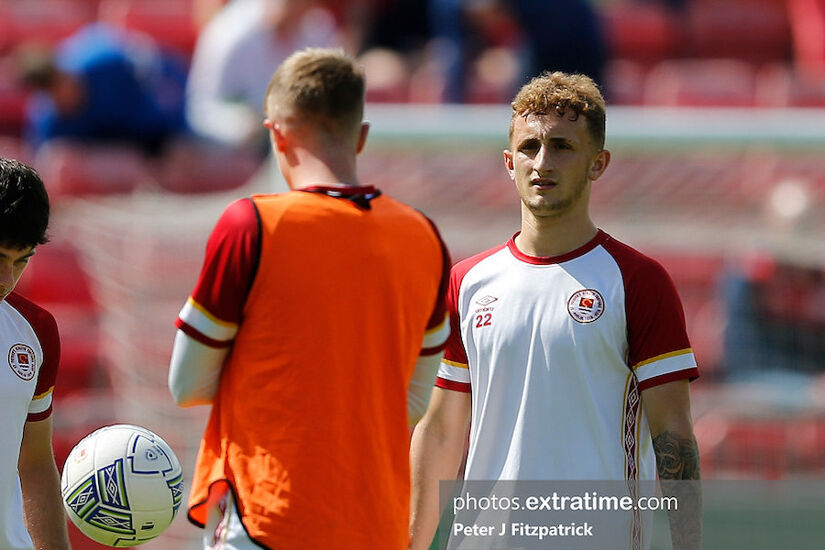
<point x="599" y="164"/>
<point x="362" y="136"/>
<point x="276" y="135"/>
<point x="508" y="162"/>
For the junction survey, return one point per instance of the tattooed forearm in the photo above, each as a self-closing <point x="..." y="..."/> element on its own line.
<point x="676" y="457"/>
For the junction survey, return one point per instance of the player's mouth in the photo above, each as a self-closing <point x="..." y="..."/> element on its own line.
<point x="543" y="184"/>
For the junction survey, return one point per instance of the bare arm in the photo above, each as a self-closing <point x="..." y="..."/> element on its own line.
<point x="677" y="458"/>
<point x="436" y="452"/>
<point x="42" y="504"/>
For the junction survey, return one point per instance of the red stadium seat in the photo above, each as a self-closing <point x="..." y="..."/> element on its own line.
<point x="12" y="97"/>
<point x="189" y="167"/>
<point x="15" y="148"/>
<point x="72" y="169"/>
<point x="707" y="82"/>
<point x="47" y="21"/>
<point x="645" y="33"/>
<point x="808" y="29"/>
<point x="752" y="30"/>
<point x="779" y="85"/>
<point x="624" y="82"/>
<point x="55" y="276"/>
<point x="170" y="22"/>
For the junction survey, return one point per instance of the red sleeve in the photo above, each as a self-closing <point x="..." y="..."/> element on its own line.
<point x="454" y="349"/>
<point x="45" y="327"/>
<point x="231" y="261"/>
<point x="655" y="318"/>
<point x="440" y="309"/>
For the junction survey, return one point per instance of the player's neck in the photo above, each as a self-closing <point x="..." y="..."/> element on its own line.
<point x="311" y="170"/>
<point x="546" y="237"/>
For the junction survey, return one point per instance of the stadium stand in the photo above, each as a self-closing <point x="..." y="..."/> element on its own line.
<point x="45" y="21"/>
<point x="12" y="98"/>
<point x="756" y="31"/>
<point x="701" y="82"/>
<point x="170" y="22"/>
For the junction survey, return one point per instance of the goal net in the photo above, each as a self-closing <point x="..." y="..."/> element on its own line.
<point x="704" y="191"/>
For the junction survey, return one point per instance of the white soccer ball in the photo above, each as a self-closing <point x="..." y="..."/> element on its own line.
<point x="122" y="485"/>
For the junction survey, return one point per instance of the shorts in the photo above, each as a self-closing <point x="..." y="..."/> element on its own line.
<point x="224" y="530"/>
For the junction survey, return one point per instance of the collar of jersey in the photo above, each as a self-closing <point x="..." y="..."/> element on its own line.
<point x="600" y="238"/>
<point x="340" y="190"/>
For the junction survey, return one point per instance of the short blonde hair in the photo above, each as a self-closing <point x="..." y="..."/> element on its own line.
<point x="322" y="84"/>
<point x="562" y="93"/>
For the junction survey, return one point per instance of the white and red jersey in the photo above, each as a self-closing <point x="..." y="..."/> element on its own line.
<point x="556" y="352"/>
<point x="30" y="349"/>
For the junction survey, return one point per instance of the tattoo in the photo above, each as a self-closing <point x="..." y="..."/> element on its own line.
<point x="676" y="457"/>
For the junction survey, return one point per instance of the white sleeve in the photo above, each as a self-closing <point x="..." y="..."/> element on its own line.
<point x="194" y="371"/>
<point x="426" y="367"/>
<point x="421" y="386"/>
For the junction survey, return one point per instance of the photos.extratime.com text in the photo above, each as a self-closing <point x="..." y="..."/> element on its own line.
<point x="554" y="502"/>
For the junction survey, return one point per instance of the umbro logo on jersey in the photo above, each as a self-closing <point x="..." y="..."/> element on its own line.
<point x="486" y="301"/>
<point x="21" y="361"/>
<point x="585" y="306"/>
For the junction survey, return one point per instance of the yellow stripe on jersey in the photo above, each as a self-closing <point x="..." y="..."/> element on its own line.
<point x="662" y="357"/>
<point x="455" y="364"/>
<point x="209" y="316"/>
<point x="44" y="394"/>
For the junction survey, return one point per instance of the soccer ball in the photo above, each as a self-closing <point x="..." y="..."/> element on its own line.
<point x="122" y="485"/>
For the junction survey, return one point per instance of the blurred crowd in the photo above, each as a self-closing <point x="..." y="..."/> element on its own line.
<point x="118" y="83"/>
<point x="200" y="67"/>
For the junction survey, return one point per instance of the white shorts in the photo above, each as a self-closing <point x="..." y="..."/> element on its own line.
<point x="224" y="530"/>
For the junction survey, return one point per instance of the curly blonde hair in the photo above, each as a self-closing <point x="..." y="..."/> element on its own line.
<point x="562" y="93"/>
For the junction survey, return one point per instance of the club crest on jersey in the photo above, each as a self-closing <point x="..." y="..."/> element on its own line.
<point x="585" y="306"/>
<point x="21" y="361"/>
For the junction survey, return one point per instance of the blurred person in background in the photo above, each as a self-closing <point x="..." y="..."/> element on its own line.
<point x="31" y="508"/>
<point x="535" y="35"/>
<point x="314" y="331"/>
<point x="235" y="55"/>
<point x="103" y="85"/>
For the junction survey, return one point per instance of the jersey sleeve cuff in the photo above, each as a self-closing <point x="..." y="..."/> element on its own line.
<point x="452" y="385"/>
<point x="205" y="327"/>
<point x="435" y="339"/>
<point x="199" y="337"/>
<point x="689" y="374"/>
<point x="37" y="417"/>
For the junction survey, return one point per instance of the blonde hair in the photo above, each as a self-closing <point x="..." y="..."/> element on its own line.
<point x="562" y="93"/>
<point x="319" y="84"/>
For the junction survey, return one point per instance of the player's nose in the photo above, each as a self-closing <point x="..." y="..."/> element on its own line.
<point x="543" y="163"/>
